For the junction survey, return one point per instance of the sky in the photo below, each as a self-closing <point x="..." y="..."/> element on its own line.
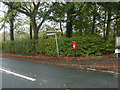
<point x="3" y="9"/>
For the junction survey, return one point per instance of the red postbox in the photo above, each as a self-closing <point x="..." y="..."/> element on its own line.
<point x="74" y="45"/>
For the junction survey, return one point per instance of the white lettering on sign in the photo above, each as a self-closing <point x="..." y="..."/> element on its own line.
<point x="51" y="31"/>
<point x="48" y="34"/>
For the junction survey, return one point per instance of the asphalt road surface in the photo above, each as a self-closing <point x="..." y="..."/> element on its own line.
<point x="22" y="74"/>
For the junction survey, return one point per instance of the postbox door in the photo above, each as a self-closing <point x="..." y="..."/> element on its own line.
<point x="74" y="45"/>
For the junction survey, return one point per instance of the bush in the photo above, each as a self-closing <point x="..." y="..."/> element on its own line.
<point x="87" y="46"/>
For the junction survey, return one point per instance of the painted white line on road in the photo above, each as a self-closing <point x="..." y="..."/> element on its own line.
<point x="19" y="75"/>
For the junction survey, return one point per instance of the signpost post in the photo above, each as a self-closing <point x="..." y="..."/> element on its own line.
<point x="117" y="50"/>
<point x="53" y="33"/>
<point x="56" y="44"/>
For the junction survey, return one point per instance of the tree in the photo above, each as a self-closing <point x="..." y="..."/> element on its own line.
<point x="82" y="21"/>
<point x="12" y="15"/>
<point x="58" y="14"/>
<point x="31" y="10"/>
<point x="70" y="12"/>
<point x="94" y="18"/>
<point x="10" y="18"/>
<point x="111" y="10"/>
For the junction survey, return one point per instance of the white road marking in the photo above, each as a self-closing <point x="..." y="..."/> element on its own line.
<point x="16" y="74"/>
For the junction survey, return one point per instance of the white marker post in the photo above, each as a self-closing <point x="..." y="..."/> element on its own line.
<point x="53" y="33"/>
<point x="117" y="51"/>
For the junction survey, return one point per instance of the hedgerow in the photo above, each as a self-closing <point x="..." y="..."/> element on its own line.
<point x="87" y="46"/>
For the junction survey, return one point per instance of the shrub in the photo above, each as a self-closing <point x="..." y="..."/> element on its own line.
<point x="87" y="46"/>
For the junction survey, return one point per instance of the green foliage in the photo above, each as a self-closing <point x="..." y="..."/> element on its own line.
<point x="19" y="46"/>
<point x="87" y="46"/>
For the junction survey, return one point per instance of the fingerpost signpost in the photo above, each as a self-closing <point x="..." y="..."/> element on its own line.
<point x="53" y="33"/>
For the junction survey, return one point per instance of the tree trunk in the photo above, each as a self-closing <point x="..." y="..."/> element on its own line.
<point x="114" y="30"/>
<point x="30" y="29"/>
<point x="108" y="25"/>
<point x="93" y="25"/>
<point x="4" y="35"/>
<point x="36" y="34"/>
<point x="35" y="28"/>
<point x="94" y="18"/>
<point x="104" y="29"/>
<point x="69" y="24"/>
<point x="69" y="29"/>
<point x="118" y="27"/>
<point x="11" y="29"/>
<point x="61" y="28"/>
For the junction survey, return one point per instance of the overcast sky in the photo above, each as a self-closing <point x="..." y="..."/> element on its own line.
<point x="3" y="9"/>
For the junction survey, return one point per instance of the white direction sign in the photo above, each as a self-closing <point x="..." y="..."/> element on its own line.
<point x="118" y="41"/>
<point x="117" y="50"/>
<point x="48" y="34"/>
<point x="51" y="31"/>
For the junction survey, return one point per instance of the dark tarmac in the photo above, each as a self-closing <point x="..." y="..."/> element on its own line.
<point x="49" y="76"/>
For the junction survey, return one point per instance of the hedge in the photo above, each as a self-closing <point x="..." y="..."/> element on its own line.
<point x="87" y="46"/>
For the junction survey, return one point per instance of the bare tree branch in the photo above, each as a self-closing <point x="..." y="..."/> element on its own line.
<point x="29" y="10"/>
<point x="16" y="8"/>
<point x="34" y="4"/>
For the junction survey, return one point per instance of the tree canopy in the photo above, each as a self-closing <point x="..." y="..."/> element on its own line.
<point x="93" y="24"/>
